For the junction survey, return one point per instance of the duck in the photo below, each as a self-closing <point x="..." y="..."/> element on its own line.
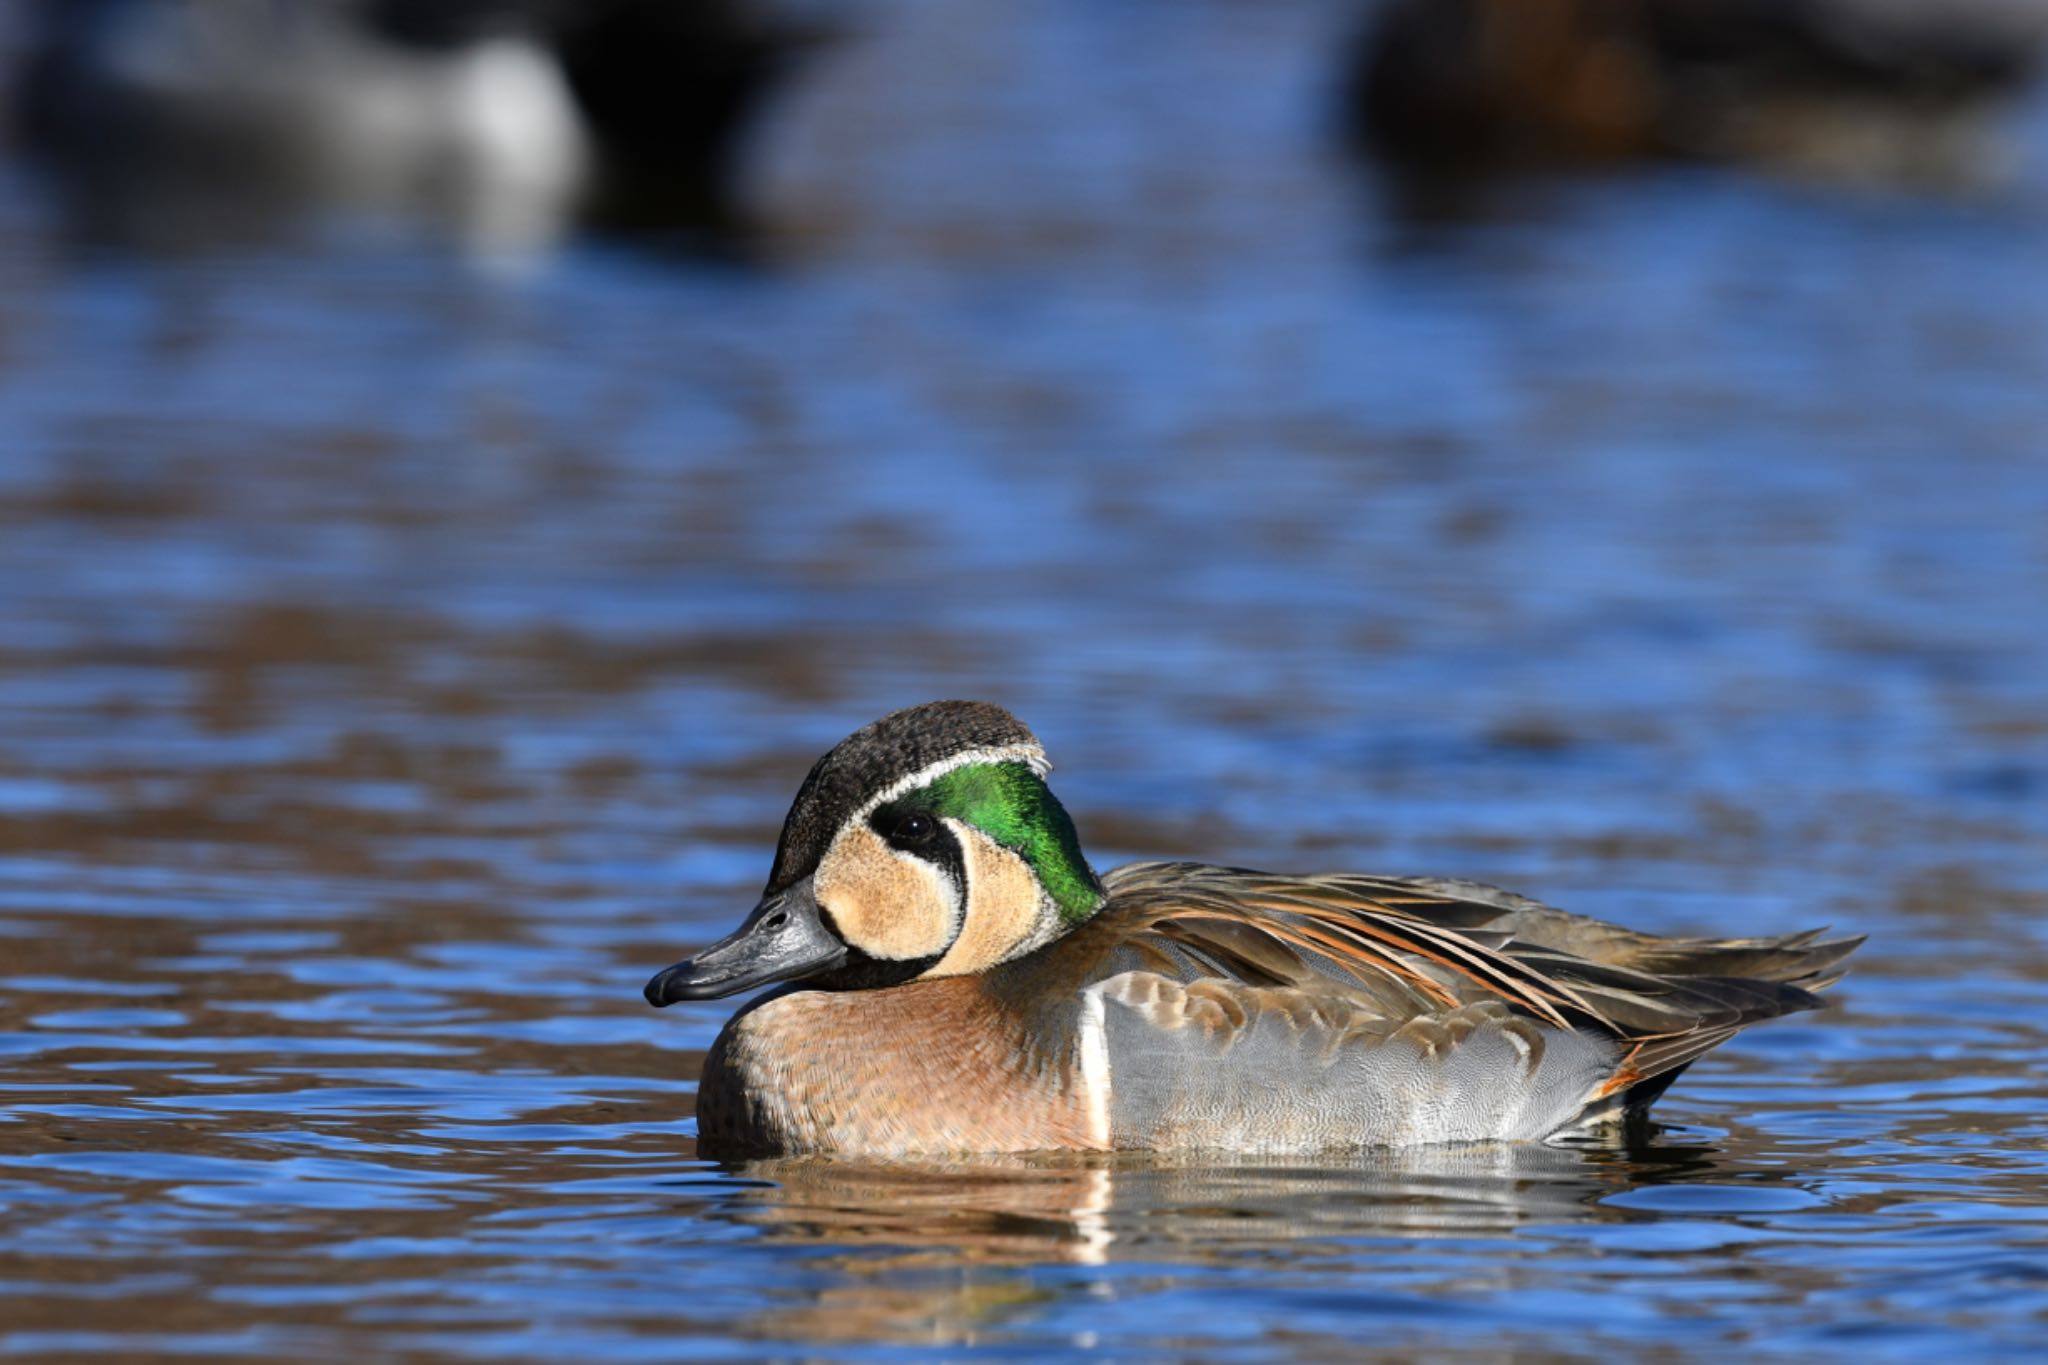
<point x="508" y="125"/>
<point x="1842" y="88"/>
<point x="952" y="977"/>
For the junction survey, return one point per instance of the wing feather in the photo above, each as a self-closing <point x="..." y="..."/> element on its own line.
<point x="1418" y="948"/>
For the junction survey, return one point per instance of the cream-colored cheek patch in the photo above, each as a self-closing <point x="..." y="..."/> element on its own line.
<point x="1003" y="906"/>
<point x="886" y="904"/>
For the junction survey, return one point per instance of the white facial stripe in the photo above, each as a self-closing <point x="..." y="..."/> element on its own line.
<point x="1029" y="754"/>
<point x="950" y="894"/>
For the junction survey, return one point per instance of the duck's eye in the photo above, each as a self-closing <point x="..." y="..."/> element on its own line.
<point x="913" y="829"/>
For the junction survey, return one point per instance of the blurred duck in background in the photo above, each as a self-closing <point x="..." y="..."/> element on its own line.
<point x="1879" y="90"/>
<point x="667" y="89"/>
<point x="504" y="123"/>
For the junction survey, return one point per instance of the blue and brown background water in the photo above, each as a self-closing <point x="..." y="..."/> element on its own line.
<point x="416" y="613"/>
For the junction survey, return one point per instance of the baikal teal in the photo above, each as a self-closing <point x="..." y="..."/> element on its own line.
<point x="954" y="979"/>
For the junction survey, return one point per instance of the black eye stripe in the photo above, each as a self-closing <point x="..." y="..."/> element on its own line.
<point x="928" y="838"/>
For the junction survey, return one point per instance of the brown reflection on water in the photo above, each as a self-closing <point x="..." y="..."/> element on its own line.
<point x="947" y="1251"/>
<point x="1084" y="1210"/>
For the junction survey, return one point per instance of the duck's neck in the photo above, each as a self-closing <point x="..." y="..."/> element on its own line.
<point x="1012" y="805"/>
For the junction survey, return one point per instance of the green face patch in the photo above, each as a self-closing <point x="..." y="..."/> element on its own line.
<point x="1013" y="806"/>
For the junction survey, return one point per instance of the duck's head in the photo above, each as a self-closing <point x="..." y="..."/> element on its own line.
<point x="924" y="845"/>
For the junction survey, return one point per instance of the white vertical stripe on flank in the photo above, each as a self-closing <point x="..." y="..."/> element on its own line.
<point x="1094" y="1049"/>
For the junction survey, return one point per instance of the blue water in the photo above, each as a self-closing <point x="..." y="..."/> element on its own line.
<point x="402" y="657"/>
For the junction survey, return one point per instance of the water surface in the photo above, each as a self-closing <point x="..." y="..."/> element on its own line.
<point x="402" y="660"/>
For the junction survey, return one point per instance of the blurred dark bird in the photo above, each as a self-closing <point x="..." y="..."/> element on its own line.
<point x="507" y="122"/>
<point x="668" y="90"/>
<point x="1870" y="88"/>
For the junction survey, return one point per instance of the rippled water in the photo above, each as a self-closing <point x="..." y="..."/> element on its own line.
<point x="399" y="662"/>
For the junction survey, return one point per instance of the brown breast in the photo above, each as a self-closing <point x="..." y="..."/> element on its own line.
<point x="926" y="1068"/>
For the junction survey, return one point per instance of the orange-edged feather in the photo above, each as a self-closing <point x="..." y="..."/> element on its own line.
<point x="1413" y="948"/>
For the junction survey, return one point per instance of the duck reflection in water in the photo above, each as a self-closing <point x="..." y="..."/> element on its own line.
<point x="892" y="1236"/>
<point x="1085" y="1209"/>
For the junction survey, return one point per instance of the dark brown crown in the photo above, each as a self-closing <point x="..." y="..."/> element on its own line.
<point x="871" y="759"/>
